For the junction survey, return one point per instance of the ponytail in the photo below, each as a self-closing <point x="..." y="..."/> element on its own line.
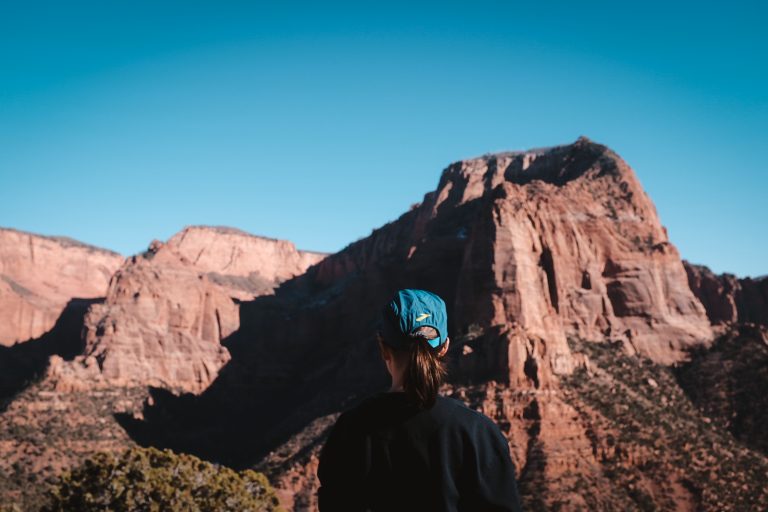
<point x="425" y="371"/>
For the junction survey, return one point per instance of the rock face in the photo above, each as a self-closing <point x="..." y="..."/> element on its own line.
<point x="236" y="259"/>
<point x="40" y="274"/>
<point x="540" y="245"/>
<point x="728" y="299"/>
<point x="572" y="247"/>
<point x="529" y="250"/>
<point x="567" y="304"/>
<point x="167" y="310"/>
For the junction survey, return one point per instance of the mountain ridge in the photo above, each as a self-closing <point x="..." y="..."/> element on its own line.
<point x="561" y="283"/>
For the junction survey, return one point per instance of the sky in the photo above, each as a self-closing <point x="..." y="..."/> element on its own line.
<point x="317" y="122"/>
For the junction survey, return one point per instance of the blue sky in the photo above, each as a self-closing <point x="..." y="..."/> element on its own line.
<point x="316" y="122"/>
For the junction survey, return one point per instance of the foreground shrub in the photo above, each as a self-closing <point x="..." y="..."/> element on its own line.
<point x="147" y="479"/>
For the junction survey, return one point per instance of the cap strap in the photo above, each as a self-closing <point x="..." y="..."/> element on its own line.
<point x="424" y="336"/>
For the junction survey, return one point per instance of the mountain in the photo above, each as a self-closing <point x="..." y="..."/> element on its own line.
<point x="167" y="310"/>
<point x="39" y="275"/>
<point x="157" y="319"/>
<point x="575" y="325"/>
<point x="547" y="259"/>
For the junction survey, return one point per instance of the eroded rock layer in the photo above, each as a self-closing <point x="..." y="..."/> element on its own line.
<point x="39" y="275"/>
<point x="167" y="310"/>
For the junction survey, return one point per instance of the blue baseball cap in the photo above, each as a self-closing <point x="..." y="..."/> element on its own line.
<point x="409" y="310"/>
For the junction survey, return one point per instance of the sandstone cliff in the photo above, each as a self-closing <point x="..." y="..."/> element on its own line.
<point x="545" y="258"/>
<point x="167" y="310"/>
<point x="239" y="260"/>
<point x="40" y="274"/>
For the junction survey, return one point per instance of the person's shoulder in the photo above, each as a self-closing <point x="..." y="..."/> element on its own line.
<point x="381" y="408"/>
<point x="366" y="404"/>
<point x="360" y="411"/>
<point x="458" y="407"/>
<point x="464" y="416"/>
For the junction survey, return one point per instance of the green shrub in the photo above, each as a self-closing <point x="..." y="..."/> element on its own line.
<point x="148" y="479"/>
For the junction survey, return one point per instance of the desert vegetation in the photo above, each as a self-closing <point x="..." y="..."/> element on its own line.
<point x="153" y="480"/>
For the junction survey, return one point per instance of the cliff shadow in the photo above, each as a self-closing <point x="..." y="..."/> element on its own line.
<point x="281" y="376"/>
<point x="727" y="382"/>
<point x="309" y="350"/>
<point x="23" y="363"/>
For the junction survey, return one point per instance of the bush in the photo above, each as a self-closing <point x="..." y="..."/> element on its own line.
<point x="151" y="480"/>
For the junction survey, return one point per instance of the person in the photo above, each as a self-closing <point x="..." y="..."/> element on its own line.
<point x="410" y="448"/>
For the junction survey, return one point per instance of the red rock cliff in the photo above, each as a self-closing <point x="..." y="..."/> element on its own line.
<point x="167" y="311"/>
<point x="529" y="249"/>
<point x="566" y="302"/>
<point x="553" y="243"/>
<point x="40" y="274"/>
<point x="727" y="298"/>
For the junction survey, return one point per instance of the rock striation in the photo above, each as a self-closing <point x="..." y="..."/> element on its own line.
<point x="167" y="310"/>
<point x="39" y="275"/>
<point x="240" y="261"/>
<point x="571" y="246"/>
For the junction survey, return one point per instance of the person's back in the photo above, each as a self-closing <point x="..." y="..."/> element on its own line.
<point x="387" y="454"/>
<point x="410" y="448"/>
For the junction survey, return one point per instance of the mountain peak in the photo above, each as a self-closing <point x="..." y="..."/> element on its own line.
<point x="557" y="165"/>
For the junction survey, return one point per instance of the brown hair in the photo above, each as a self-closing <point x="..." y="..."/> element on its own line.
<point x="425" y="371"/>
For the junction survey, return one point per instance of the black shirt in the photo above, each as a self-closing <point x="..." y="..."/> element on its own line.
<point x="385" y="454"/>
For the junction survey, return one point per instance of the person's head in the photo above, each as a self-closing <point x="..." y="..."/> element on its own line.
<point x="413" y="338"/>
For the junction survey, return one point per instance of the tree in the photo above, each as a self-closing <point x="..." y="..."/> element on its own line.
<point x="147" y="479"/>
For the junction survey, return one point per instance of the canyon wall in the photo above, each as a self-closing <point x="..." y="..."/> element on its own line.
<point x="39" y="275"/>
<point x="167" y="310"/>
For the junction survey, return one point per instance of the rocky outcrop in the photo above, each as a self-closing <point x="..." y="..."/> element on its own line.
<point x="240" y="261"/>
<point x="572" y="247"/>
<point x="39" y="275"/>
<point x="541" y="245"/>
<point x="167" y="310"/>
<point x="529" y="249"/>
<point x="727" y="298"/>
